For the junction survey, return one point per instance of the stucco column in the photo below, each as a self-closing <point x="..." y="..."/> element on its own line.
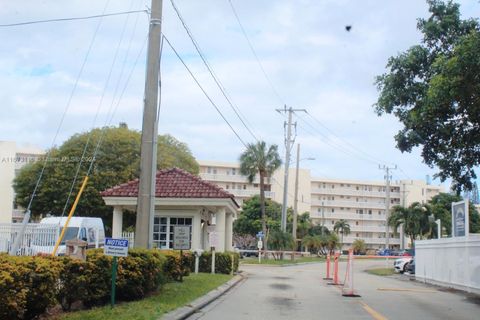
<point x="220" y="229"/>
<point x="228" y="232"/>
<point x="117" y="223"/>
<point x="197" y="232"/>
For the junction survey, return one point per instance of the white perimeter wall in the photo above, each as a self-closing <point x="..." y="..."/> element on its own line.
<point x="451" y="262"/>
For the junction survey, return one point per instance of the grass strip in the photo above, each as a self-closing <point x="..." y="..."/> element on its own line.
<point x="381" y="271"/>
<point x="172" y="296"/>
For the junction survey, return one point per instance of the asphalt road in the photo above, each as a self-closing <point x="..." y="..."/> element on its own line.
<point x="299" y="292"/>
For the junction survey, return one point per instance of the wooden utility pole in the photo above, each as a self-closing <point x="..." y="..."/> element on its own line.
<point x="148" y="155"/>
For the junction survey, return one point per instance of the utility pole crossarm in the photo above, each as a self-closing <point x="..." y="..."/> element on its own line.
<point x="387" y="201"/>
<point x="288" y="147"/>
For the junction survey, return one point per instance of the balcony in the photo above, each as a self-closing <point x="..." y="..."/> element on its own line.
<point x="226" y="178"/>
<point x="240" y="193"/>
<point x="350" y="204"/>
<point x="347" y="216"/>
<point x="353" y="192"/>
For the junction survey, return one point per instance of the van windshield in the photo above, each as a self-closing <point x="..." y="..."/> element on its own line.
<point x="48" y="237"/>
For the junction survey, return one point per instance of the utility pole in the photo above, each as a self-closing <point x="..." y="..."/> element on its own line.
<point x="288" y="146"/>
<point x="295" y="200"/>
<point x="148" y="155"/>
<point x="387" y="204"/>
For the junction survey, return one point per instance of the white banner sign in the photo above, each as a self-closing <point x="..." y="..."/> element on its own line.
<point x="181" y="238"/>
<point x="214" y="239"/>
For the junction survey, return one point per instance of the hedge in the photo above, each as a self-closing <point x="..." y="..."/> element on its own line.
<point x="223" y="262"/>
<point x="29" y="285"/>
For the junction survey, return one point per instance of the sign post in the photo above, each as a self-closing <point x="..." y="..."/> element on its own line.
<point x="115" y="248"/>
<point x="214" y="241"/>
<point x="181" y="241"/>
<point x="260" y="236"/>
<point x="460" y="219"/>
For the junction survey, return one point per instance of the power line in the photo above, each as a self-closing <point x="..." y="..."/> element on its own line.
<point x="235" y="109"/>
<point x="99" y="107"/>
<point x="255" y="54"/>
<point x="344" y="141"/>
<point x="71" y="19"/>
<point x="203" y="90"/>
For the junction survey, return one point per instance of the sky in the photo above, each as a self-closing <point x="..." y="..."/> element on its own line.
<point x="62" y="78"/>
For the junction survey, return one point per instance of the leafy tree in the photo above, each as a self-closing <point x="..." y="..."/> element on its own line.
<point x="249" y="221"/>
<point x="432" y="88"/>
<point x="414" y="219"/>
<point x="279" y="240"/>
<point x="441" y="207"/>
<point x="318" y="230"/>
<point x="343" y="227"/>
<point x="359" y="246"/>
<point x="262" y="160"/>
<point x="312" y="243"/>
<point x="117" y="161"/>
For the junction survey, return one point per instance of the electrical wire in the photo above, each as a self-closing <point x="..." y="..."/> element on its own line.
<point x="71" y="19"/>
<point x="275" y="91"/>
<point x="204" y="92"/>
<point x="99" y="107"/>
<point x="212" y="73"/>
<point x="67" y="107"/>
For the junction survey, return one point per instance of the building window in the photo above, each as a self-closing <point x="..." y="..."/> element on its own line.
<point x="369" y="211"/>
<point x="234" y="171"/>
<point x="333" y="222"/>
<point x="357" y="187"/>
<point x="163" y="230"/>
<point x="356" y="223"/>
<point x="333" y="210"/>
<point x="341" y="185"/>
<point x="244" y="187"/>
<point x="209" y="169"/>
<point x="214" y="171"/>
<point x="227" y="186"/>
<point x="333" y="186"/>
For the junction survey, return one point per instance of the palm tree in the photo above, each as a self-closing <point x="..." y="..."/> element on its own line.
<point x="414" y="219"/>
<point x="359" y="246"/>
<point x="262" y="160"/>
<point x="312" y="243"/>
<point x="343" y="227"/>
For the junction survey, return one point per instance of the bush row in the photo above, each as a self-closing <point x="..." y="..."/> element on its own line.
<point x="29" y="285"/>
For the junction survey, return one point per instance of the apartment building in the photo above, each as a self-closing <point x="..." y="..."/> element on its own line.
<point x="12" y="159"/>
<point x="361" y="203"/>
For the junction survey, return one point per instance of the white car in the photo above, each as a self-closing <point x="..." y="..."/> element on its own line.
<point x="400" y="265"/>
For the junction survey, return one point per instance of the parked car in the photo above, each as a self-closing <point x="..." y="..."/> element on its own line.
<point x="410" y="268"/>
<point x="400" y="265"/>
<point x="250" y="251"/>
<point x="384" y="252"/>
<point x="406" y="253"/>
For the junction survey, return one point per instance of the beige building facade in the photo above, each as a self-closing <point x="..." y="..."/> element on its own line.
<point x="361" y="203"/>
<point x="12" y="159"/>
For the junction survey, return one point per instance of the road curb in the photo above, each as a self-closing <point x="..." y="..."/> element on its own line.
<point x="189" y="309"/>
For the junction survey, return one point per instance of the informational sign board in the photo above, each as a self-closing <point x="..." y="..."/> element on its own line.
<point x="460" y="221"/>
<point x="181" y="237"/>
<point x="214" y="239"/>
<point x="260" y="234"/>
<point x="115" y="247"/>
<point x="260" y="244"/>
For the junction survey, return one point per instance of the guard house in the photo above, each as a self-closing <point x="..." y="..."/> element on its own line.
<point x="182" y="199"/>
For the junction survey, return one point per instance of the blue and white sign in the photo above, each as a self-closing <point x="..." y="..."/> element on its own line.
<point x="115" y="247"/>
<point x="260" y="234"/>
<point x="460" y="221"/>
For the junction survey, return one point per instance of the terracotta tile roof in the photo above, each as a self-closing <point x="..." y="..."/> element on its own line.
<point x="172" y="183"/>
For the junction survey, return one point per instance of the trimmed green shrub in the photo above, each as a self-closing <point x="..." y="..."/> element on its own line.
<point x="28" y="285"/>
<point x="223" y="262"/>
<point x="173" y="268"/>
<point x="75" y="279"/>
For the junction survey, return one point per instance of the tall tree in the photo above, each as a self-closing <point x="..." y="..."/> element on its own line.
<point x="414" y="220"/>
<point x="262" y="160"/>
<point x="343" y="227"/>
<point x="117" y="161"/>
<point x="250" y="220"/>
<point x="432" y="88"/>
<point x="441" y="207"/>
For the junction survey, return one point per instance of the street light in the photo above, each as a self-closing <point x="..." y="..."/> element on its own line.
<point x="295" y="201"/>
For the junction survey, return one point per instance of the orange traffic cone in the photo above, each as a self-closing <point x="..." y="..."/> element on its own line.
<point x="347" y="290"/>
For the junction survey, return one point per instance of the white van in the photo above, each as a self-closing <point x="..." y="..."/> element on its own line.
<point x="83" y="228"/>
